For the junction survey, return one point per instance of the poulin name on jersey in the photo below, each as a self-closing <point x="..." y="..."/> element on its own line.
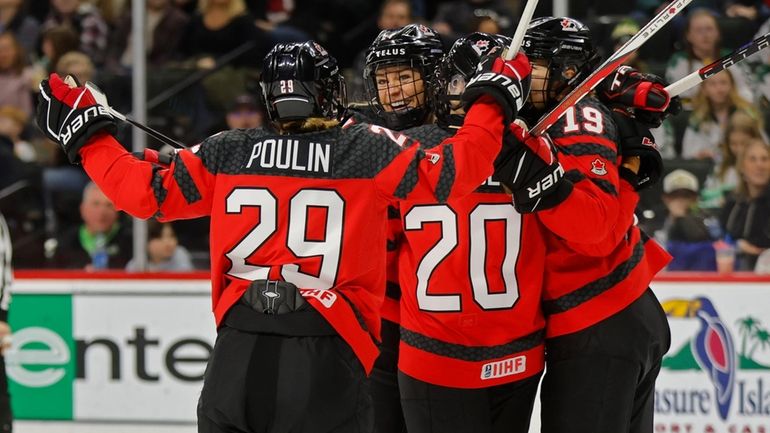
<point x="283" y="154"/>
<point x="505" y="367"/>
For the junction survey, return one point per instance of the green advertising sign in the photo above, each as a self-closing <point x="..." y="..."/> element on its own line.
<point x="41" y="365"/>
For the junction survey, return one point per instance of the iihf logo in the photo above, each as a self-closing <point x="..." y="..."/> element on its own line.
<point x="271" y="295"/>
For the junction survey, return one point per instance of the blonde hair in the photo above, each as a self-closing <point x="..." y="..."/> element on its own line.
<point x="72" y="59"/>
<point x="742" y="190"/>
<point x="739" y="122"/>
<point x="14" y="114"/>
<point x="310" y="124"/>
<point x="704" y="112"/>
<point x="237" y="7"/>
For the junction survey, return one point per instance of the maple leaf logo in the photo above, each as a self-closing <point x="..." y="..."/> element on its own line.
<point x="598" y="167"/>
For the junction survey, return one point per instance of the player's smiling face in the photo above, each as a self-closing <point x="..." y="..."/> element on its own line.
<point x="399" y="87"/>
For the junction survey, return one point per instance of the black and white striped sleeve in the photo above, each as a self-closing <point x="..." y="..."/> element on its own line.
<point x="6" y="273"/>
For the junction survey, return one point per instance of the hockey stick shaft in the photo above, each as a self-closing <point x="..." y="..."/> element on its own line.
<point x="101" y="99"/>
<point x="693" y="79"/>
<point x="521" y="29"/>
<point x="609" y="65"/>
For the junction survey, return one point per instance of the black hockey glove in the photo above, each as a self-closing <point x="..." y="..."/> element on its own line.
<point x="640" y="94"/>
<point x="508" y="81"/>
<point x="70" y="115"/>
<point x="635" y="139"/>
<point x="527" y="165"/>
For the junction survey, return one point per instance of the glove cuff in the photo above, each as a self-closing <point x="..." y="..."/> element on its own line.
<point x="106" y="124"/>
<point x="563" y="190"/>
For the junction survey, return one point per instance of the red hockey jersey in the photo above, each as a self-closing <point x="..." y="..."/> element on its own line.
<point x="305" y="208"/>
<point x="471" y="273"/>
<point x="598" y="261"/>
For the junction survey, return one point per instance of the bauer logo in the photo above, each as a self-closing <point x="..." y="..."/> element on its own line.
<point x="506" y="367"/>
<point x="715" y="376"/>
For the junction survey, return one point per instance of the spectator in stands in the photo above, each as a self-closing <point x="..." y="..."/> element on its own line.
<point x="12" y="124"/>
<point x="219" y="27"/>
<point x="76" y="64"/>
<point x="54" y="43"/>
<point x="244" y="113"/>
<point x="100" y="242"/>
<point x="741" y="129"/>
<point x="164" y="254"/>
<point x="222" y="28"/>
<point x="394" y="14"/>
<point x="713" y="105"/>
<point x="15" y="78"/>
<point x="459" y="17"/>
<point x="14" y="19"/>
<point x="746" y="215"/>
<point x="687" y="236"/>
<point x="621" y="33"/>
<point x="702" y="46"/>
<point x="82" y="17"/>
<point x="166" y="25"/>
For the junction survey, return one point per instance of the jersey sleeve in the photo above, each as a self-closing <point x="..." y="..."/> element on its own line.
<point x="454" y="168"/>
<point x="586" y="141"/>
<point x="143" y="189"/>
<point x="620" y="232"/>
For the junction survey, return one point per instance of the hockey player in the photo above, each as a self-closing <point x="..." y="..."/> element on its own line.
<point x="400" y="81"/>
<point x="606" y="332"/>
<point x="472" y="332"/>
<point x="294" y="208"/>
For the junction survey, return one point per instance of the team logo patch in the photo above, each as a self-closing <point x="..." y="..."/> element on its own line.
<point x="320" y="49"/>
<point x="425" y="29"/>
<point x="481" y="47"/>
<point x="648" y="142"/>
<point x="568" y="25"/>
<point x="598" y="167"/>
<point x="505" y="367"/>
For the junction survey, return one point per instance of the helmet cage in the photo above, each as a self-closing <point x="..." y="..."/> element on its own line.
<point x="416" y="47"/>
<point x="457" y="67"/>
<point x="406" y="117"/>
<point x="567" y="50"/>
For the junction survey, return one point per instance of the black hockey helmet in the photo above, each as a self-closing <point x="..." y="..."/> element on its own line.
<point x="415" y="46"/>
<point x="301" y="80"/>
<point x="458" y="66"/>
<point x="565" y="44"/>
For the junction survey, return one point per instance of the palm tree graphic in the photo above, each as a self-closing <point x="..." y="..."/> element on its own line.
<point x="762" y="341"/>
<point x="747" y="328"/>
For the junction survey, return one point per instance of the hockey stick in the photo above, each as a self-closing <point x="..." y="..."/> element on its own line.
<point x="521" y="29"/>
<point x="101" y="99"/>
<point x="609" y="65"/>
<point x="720" y="65"/>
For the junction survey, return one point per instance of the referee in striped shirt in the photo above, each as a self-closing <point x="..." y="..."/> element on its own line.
<point x="6" y="280"/>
